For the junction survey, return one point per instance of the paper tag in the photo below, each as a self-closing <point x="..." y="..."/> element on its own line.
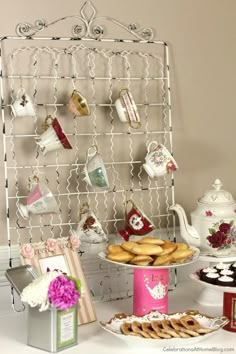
<point x="66" y="328"/>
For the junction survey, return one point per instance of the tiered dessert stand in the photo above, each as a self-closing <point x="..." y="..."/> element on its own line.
<point x="216" y="295"/>
<point x="151" y="285"/>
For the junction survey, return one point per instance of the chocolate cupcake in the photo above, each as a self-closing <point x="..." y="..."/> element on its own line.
<point x="211" y="278"/>
<point x="227" y="272"/>
<point x="233" y="268"/>
<point x="225" y="281"/>
<point x="205" y="271"/>
<point x="221" y="266"/>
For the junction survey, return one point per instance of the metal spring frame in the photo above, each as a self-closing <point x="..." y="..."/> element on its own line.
<point x="86" y="32"/>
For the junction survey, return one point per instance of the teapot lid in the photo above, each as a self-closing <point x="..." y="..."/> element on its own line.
<point x="217" y="195"/>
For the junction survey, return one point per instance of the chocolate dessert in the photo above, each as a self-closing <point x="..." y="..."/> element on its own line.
<point x="225" y="281"/>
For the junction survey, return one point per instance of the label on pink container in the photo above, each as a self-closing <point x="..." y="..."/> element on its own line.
<point x="150" y="290"/>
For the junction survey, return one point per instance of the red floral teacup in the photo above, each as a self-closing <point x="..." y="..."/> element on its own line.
<point x="136" y="222"/>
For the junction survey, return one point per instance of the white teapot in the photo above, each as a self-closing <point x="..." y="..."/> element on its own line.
<point x="213" y="227"/>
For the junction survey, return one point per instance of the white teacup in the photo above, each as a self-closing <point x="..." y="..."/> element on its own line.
<point x="53" y="138"/>
<point x="159" y="160"/>
<point x="127" y="109"/>
<point x="95" y="172"/>
<point x="23" y="106"/>
<point x="39" y="201"/>
<point x="89" y="229"/>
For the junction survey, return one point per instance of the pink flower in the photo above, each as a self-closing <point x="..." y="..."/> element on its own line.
<point x="75" y="241"/>
<point x="62" y="293"/>
<point x="51" y="244"/>
<point x="27" y="251"/>
<point x="208" y="213"/>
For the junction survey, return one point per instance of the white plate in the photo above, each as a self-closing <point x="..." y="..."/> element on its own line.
<point x="227" y="289"/>
<point x="194" y="257"/>
<point x="113" y="327"/>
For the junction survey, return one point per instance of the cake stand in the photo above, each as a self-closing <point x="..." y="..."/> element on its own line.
<point x="207" y="294"/>
<point x="151" y="284"/>
<point x="228" y="299"/>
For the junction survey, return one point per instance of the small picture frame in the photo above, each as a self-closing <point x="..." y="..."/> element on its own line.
<point x="61" y="255"/>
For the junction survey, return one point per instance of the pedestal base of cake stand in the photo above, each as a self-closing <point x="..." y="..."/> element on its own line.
<point x="210" y="297"/>
<point x="150" y="290"/>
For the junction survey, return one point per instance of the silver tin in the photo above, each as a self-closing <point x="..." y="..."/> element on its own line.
<point x="20" y="277"/>
<point x="52" y="330"/>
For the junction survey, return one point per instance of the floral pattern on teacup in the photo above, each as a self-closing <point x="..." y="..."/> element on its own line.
<point x="51" y="245"/>
<point x="27" y="251"/>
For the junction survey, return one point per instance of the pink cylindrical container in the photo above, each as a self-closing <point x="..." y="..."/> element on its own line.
<point x="150" y="290"/>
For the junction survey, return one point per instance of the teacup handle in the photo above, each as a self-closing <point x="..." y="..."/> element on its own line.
<point x="48" y="121"/>
<point x="20" y="93"/>
<point x="94" y="150"/>
<point x="155" y="143"/>
<point x="126" y="206"/>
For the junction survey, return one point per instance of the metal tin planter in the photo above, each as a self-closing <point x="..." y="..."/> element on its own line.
<point x="52" y="330"/>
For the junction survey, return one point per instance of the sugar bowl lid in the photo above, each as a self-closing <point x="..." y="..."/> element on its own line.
<point x="217" y="195"/>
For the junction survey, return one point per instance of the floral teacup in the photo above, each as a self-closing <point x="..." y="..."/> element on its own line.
<point x="159" y="161"/>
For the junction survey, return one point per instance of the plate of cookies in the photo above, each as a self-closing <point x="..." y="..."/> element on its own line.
<point x="150" y="251"/>
<point x="162" y="329"/>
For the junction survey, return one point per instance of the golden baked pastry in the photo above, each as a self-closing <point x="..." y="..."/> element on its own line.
<point x="114" y="248"/>
<point x="122" y="257"/>
<point x="152" y="240"/>
<point x="147" y="249"/>
<point x="128" y="245"/>
<point x="168" y="248"/>
<point x="162" y="252"/>
<point x="168" y="329"/>
<point x="127" y="330"/>
<point x="162" y="260"/>
<point x="146" y="327"/>
<point x="181" y="246"/>
<point x="136" y="327"/>
<point x="179" y="255"/>
<point x="141" y="260"/>
<point x="157" y="326"/>
<point x="189" y="322"/>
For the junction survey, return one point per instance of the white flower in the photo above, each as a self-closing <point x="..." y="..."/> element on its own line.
<point x="36" y="293"/>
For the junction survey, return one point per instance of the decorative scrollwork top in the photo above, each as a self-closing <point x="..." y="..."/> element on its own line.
<point x="25" y="29"/>
<point x="87" y="28"/>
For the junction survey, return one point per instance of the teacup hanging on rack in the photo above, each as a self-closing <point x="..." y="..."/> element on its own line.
<point x="22" y="105"/>
<point x="159" y="160"/>
<point x="53" y="138"/>
<point x="136" y="222"/>
<point x="39" y="201"/>
<point x="127" y="110"/>
<point x="89" y="228"/>
<point x="78" y="104"/>
<point x="95" y="171"/>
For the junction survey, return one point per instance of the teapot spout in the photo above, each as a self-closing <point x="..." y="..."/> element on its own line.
<point x="187" y="232"/>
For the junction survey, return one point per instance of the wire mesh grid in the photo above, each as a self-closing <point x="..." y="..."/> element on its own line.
<point x="49" y="74"/>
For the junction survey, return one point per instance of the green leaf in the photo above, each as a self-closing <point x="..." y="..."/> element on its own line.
<point x="212" y="231"/>
<point x="76" y="281"/>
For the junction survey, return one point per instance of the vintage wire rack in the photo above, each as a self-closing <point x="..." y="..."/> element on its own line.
<point x="49" y="68"/>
